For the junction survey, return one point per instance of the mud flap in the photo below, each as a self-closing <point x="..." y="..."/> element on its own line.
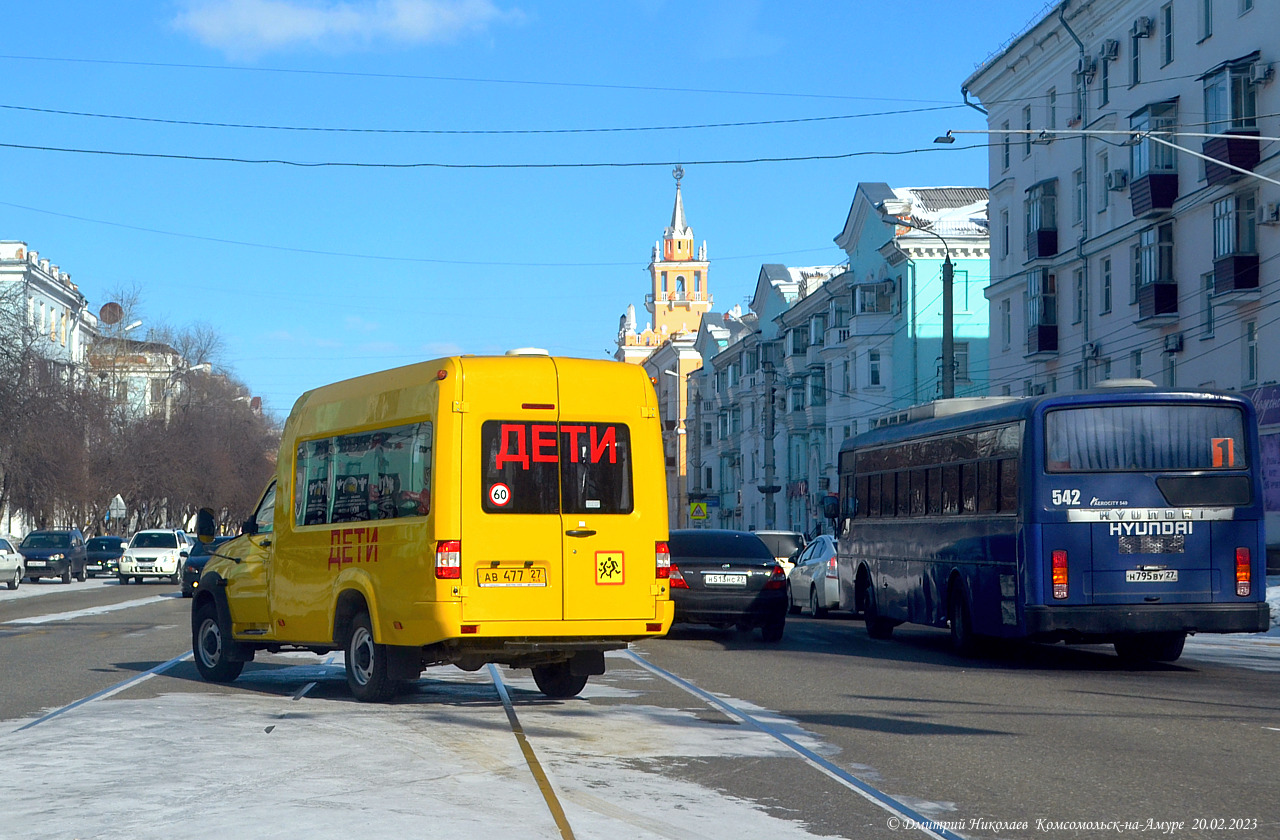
<point x="404" y="663"/>
<point x="587" y="663"/>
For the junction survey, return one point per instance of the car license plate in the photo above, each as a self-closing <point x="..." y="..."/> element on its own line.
<point x="1143" y="576"/>
<point x="724" y="580"/>
<point x="36" y="564"/>
<point x="512" y="576"/>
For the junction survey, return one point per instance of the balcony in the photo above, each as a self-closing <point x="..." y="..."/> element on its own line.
<point x="1157" y="304"/>
<point x="1153" y="194"/>
<point x="1236" y="273"/>
<point x="1042" y="243"/>
<point x="1241" y="149"/>
<point x="1042" y="340"/>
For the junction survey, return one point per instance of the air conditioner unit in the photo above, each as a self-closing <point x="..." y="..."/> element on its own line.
<point x="1110" y="50"/>
<point x="1086" y="67"/>
<point x="1092" y="350"/>
<point x="1269" y="214"/>
<point x="1142" y="27"/>
<point x="1173" y="343"/>
<point x="1117" y="179"/>
<point x="1261" y="72"/>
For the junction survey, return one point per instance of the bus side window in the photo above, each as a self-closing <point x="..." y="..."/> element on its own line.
<point x="969" y="487"/>
<point x="1008" y="484"/>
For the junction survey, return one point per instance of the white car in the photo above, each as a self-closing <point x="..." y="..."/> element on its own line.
<point x="12" y="565"/>
<point x="814" y="581"/>
<point x="156" y="553"/>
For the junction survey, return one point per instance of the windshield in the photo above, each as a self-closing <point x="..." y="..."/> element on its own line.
<point x="47" y="541"/>
<point x="103" y="544"/>
<point x="782" y="544"/>
<point x="158" y="539"/>
<point x="1145" y="437"/>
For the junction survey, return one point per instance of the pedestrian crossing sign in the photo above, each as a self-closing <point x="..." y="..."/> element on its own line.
<point x="697" y="510"/>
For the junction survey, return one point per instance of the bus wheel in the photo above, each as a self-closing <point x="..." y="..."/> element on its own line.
<point x="1151" y="647"/>
<point x="963" y="640"/>
<point x="210" y="642"/>
<point x="368" y="672"/>
<point x="557" y="681"/>
<point x="878" y="627"/>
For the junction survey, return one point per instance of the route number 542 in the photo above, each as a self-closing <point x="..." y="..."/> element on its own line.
<point x="1065" y="497"/>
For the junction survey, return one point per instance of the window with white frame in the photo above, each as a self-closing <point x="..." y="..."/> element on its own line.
<point x="1104" y="282"/>
<point x="1026" y="127"/>
<point x="1235" y="225"/>
<point x="1006" y="323"/>
<point x="1004" y="233"/>
<point x="1042" y="298"/>
<point x="1005" y="142"/>
<point x="1078" y="191"/>
<point x="1155" y="255"/>
<point x="1135" y="363"/>
<point x="1104" y="194"/>
<point x="1077" y="283"/>
<point x="1166" y="34"/>
<point x="1230" y="99"/>
<point x="1206" y="19"/>
<point x="960" y="357"/>
<point x="873" y="368"/>
<point x="1147" y="156"/>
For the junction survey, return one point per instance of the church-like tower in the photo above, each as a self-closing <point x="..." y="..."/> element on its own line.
<point x="678" y="288"/>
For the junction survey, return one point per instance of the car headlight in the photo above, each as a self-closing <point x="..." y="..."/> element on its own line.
<point x="57" y="556"/>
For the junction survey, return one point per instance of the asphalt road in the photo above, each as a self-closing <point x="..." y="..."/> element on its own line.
<point x="1033" y="741"/>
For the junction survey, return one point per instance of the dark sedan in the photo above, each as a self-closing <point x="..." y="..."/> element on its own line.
<point x="102" y="554"/>
<point x="727" y="579"/>
<point x="55" y="554"/>
<point x="193" y="566"/>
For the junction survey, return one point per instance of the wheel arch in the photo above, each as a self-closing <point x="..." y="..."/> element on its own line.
<point x="350" y="602"/>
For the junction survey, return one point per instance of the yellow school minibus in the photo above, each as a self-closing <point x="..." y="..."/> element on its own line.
<point x="469" y="510"/>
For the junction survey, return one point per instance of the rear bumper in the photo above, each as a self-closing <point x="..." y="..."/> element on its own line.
<point x="719" y="608"/>
<point x="1118" y="620"/>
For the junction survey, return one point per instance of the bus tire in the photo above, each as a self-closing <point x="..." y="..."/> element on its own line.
<point x="1151" y="647"/>
<point x="211" y="644"/>
<point x="368" y="665"/>
<point x="558" y="681"/>
<point x="963" y="640"/>
<point x="878" y="627"/>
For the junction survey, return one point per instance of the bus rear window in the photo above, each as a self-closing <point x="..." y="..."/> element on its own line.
<point x="556" y="467"/>
<point x="1128" y="438"/>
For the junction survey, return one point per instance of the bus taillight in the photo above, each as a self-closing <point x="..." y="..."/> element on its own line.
<point x="1243" y="573"/>
<point x="1059" y="574"/>
<point x="449" y="560"/>
<point x="663" y="558"/>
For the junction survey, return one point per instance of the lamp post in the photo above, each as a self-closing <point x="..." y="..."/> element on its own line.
<point x="948" y="306"/>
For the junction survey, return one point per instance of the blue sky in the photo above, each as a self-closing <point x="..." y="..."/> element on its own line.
<point x="316" y="273"/>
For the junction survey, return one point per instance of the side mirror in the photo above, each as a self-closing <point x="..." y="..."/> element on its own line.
<point x="250" y="526"/>
<point x="831" y="507"/>
<point x="205" y="525"/>
<point x="184" y="554"/>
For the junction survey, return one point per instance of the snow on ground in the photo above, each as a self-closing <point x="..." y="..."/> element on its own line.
<point x="442" y="763"/>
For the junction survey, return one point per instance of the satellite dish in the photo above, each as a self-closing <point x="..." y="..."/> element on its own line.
<point x="111" y="313"/>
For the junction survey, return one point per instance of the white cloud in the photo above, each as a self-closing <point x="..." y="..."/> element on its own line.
<point x="252" y="27"/>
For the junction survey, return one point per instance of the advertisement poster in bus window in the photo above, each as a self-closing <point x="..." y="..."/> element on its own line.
<point x="351" y="498"/>
<point x="317" y="510"/>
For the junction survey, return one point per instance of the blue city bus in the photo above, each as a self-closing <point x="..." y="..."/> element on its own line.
<point x="1127" y="515"/>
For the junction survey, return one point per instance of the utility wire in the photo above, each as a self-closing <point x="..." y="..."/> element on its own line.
<point x="500" y="132"/>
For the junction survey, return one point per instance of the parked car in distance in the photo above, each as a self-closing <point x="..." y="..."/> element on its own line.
<point x="103" y="554"/>
<point x="12" y="566"/>
<point x="727" y="578"/>
<point x="814" y="581"/>
<point x="193" y="566"/>
<point x="54" y="553"/>
<point x="157" y="553"/>
<point x="784" y="545"/>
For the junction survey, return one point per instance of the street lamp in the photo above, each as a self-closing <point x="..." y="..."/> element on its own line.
<point x="948" y="302"/>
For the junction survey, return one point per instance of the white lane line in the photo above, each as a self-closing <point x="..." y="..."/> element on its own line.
<point x="106" y="608"/>
<point x="115" y="689"/>
<point x="910" y="819"/>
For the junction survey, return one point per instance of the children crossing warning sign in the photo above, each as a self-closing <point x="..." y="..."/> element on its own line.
<point x="697" y="510"/>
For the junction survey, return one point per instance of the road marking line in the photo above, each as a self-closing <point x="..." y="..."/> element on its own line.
<point x="910" y="818"/>
<point x="67" y="616"/>
<point x="107" y="692"/>
<point x="544" y="784"/>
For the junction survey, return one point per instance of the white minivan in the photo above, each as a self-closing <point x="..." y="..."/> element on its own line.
<point x="156" y="553"/>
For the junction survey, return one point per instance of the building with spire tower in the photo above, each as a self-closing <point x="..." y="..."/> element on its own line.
<point x="678" y="299"/>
